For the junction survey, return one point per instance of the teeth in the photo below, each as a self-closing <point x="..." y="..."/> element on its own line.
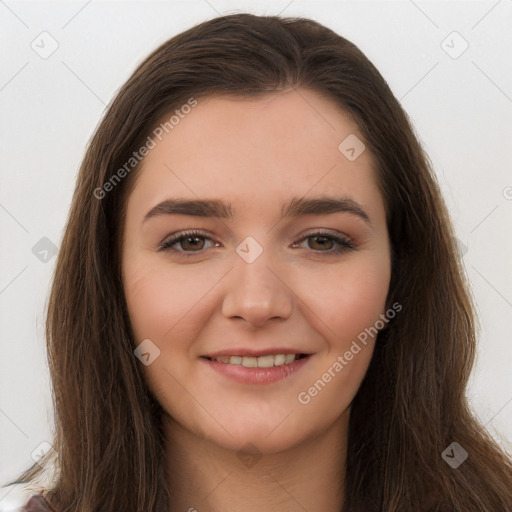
<point x="258" y="362"/>
<point x="288" y="358"/>
<point x="250" y="362"/>
<point x="265" y="361"/>
<point x="279" y="359"/>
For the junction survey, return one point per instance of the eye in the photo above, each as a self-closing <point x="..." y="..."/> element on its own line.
<point x="190" y="242"/>
<point x="335" y="244"/>
<point x="193" y="242"/>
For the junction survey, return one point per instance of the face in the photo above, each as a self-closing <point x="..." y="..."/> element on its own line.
<point x="226" y="307"/>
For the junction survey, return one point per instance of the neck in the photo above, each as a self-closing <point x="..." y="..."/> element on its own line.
<point x="206" y="477"/>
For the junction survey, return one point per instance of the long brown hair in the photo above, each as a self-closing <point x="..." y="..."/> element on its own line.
<point x="411" y="405"/>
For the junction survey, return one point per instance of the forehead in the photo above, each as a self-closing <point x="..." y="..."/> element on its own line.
<point x="256" y="152"/>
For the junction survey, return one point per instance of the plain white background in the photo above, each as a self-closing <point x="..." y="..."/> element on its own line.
<point x="459" y="100"/>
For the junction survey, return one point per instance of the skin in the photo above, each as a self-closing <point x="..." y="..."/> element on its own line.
<point x="257" y="154"/>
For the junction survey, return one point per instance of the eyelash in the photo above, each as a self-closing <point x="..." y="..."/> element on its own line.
<point x="344" y="243"/>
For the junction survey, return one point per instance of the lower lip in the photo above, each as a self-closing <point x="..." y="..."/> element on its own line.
<point x="245" y="375"/>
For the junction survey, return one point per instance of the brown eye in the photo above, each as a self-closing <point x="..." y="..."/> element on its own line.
<point x="321" y="242"/>
<point x="187" y="243"/>
<point x="192" y="243"/>
<point x="328" y="243"/>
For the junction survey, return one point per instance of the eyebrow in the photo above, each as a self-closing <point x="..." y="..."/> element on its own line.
<point x="295" y="208"/>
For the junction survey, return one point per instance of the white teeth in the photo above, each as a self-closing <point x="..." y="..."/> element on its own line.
<point x="288" y="358"/>
<point x="250" y="362"/>
<point x="267" y="361"/>
<point x="279" y="359"/>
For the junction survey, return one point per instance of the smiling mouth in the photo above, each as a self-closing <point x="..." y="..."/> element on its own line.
<point x="267" y="361"/>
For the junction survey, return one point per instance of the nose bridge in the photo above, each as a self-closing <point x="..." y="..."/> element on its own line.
<point x="256" y="292"/>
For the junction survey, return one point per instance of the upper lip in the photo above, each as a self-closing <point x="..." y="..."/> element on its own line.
<point x="246" y="352"/>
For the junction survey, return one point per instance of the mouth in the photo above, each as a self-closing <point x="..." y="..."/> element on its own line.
<point x="263" y="361"/>
<point x="265" y="367"/>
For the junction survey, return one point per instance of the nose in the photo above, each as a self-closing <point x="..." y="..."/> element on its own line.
<point x="257" y="292"/>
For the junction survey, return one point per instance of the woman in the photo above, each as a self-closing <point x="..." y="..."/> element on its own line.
<point x="258" y="302"/>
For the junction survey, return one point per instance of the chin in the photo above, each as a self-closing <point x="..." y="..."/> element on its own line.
<point x="255" y="441"/>
<point x="265" y="435"/>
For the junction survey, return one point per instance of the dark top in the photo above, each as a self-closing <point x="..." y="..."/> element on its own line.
<point x="38" y="503"/>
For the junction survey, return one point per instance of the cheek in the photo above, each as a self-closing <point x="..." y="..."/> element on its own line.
<point x="345" y="310"/>
<point x="161" y="300"/>
<point x="347" y="298"/>
<point x="339" y="300"/>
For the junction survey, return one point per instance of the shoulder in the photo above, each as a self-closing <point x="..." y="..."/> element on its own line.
<point x="37" y="503"/>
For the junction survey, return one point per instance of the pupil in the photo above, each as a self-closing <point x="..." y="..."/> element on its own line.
<point x="195" y="238"/>
<point x="321" y="240"/>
